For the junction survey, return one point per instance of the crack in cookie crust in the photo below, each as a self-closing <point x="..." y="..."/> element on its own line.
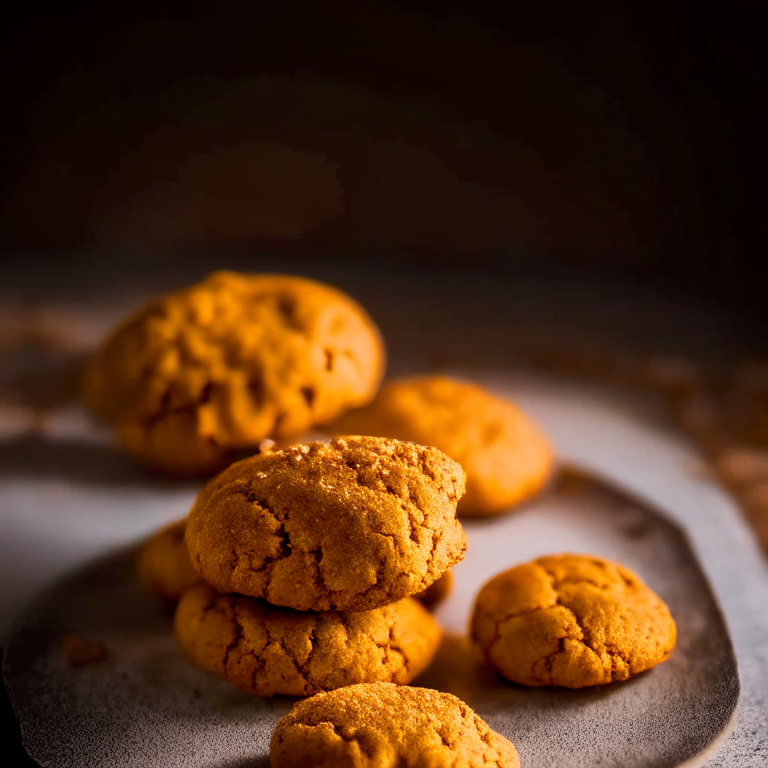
<point x="571" y="621"/>
<point x="376" y="724"/>
<point x="350" y="525"/>
<point x="266" y="650"/>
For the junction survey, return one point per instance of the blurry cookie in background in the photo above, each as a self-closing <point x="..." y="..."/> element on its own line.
<point x="506" y="456"/>
<point x="216" y="368"/>
<point x="164" y="567"/>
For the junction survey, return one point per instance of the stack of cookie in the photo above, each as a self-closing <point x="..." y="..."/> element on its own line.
<point x="296" y="570"/>
<point x="305" y="561"/>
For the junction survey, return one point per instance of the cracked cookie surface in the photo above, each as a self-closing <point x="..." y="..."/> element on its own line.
<point x="222" y="365"/>
<point x="164" y="567"/>
<point x="350" y="525"/>
<point x="380" y="725"/>
<point x="505" y="455"/>
<point x="266" y="650"/>
<point x="571" y="621"/>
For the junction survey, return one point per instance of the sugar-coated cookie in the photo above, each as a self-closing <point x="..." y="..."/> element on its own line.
<point x="380" y="725"/>
<point x="266" y="650"/>
<point x="349" y="525"/>
<point x="571" y="621"/>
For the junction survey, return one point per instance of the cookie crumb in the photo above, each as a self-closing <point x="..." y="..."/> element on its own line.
<point x="80" y="650"/>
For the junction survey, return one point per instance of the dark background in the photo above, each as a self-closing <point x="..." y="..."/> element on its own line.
<point x="565" y="140"/>
<point x="554" y="138"/>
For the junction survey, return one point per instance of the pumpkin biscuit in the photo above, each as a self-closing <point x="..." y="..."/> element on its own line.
<point x="380" y="725"/>
<point x="571" y="621"/>
<point x="351" y="524"/>
<point x="222" y="365"/>
<point x="505" y="455"/>
<point x="266" y="650"/>
<point x="164" y="566"/>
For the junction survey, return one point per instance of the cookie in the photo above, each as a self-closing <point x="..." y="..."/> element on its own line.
<point x="221" y="366"/>
<point x="505" y="455"/>
<point x="380" y="725"/>
<point x="349" y="525"/>
<point x="164" y="566"/>
<point x="266" y="650"/>
<point x="571" y="621"/>
<point x="436" y="592"/>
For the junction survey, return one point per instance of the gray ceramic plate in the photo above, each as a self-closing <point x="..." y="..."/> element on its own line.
<point x="145" y="705"/>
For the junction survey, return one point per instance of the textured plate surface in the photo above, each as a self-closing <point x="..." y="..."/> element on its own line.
<point x="146" y="706"/>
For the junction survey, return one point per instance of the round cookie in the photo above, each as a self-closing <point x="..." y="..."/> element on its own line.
<point x="505" y="455"/>
<point x="164" y="566"/>
<point x="351" y="524"/>
<point x="571" y="621"/>
<point x="436" y="592"/>
<point x="266" y="650"/>
<point x="380" y="725"/>
<point x="224" y="364"/>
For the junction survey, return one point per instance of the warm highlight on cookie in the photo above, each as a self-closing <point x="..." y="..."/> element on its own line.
<point x="229" y="362"/>
<point x="571" y="621"/>
<point x="164" y="567"/>
<point x="379" y="725"/>
<point x="351" y="524"/>
<point x="505" y="455"/>
<point x="266" y="650"/>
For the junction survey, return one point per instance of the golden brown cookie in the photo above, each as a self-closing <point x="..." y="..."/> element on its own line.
<point x="436" y="592"/>
<point x="226" y="363"/>
<point x="351" y="524"/>
<point x="267" y="650"/>
<point x="380" y="725"/>
<point x="164" y="566"/>
<point x="505" y="455"/>
<point x="571" y="621"/>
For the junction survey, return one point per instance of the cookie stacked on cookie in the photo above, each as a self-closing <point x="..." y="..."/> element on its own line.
<point x="308" y="559"/>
